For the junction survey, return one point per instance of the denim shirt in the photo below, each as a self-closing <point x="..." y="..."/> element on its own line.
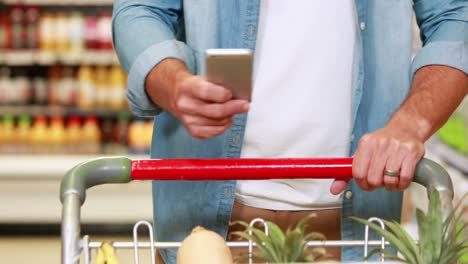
<point x="148" y="31"/>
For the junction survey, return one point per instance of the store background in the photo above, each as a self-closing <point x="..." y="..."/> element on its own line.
<point x="62" y="101"/>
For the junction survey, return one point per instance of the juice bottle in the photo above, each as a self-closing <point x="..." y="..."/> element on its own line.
<point x="17" y="17"/>
<point x="54" y="76"/>
<point x="39" y="135"/>
<point x="76" y="29"/>
<point x="136" y="137"/>
<point x="117" y="88"/>
<point x="73" y="136"/>
<point x="67" y="87"/>
<point x="32" y="32"/>
<point x="86" y="88"/>
<point x="8" y="137"/>
<point x="61" y="33"/>
<point x="120" y="133"/>
<point x="47" y="37"/>
<point x="102" y="87"/>
<point x="57" y="135"/>
<point x="23" y="134"/>
<point x="91" y="136"/>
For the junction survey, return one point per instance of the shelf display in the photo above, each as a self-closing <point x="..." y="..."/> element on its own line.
<point x="61" y="88"/>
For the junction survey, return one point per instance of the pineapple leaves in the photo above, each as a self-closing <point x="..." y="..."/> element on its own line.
<point x="393" y="239"/>
<point x="440" y="242"/>
<point x="281" y="247"/>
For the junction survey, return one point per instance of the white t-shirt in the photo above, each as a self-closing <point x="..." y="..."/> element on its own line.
<point x="301" y="101"/>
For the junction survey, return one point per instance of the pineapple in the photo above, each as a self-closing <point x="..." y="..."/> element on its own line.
<point x="280" y="247"/>
<point x="440" y="242"/>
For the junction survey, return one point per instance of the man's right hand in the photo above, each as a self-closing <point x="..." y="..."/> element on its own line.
<point x="205" y="109"/>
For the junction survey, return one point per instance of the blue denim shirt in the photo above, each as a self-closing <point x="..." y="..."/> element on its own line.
<point x="148" y="31"/>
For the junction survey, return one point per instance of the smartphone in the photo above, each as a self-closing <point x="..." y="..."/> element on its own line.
<point x="231" y="68"/>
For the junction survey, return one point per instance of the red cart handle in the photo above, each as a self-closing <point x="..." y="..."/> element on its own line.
<point x="241" y="169"/>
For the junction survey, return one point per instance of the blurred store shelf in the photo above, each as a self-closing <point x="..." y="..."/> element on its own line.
<point x="448" y="155"/>
<point x="30" y="185"/>
<point x="35" y="110"/>
<point x="34" y="57"/>
<point x="59" y="2"/>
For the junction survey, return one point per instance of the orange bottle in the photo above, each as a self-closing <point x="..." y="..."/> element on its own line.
<point x="23" y="134"/>
<point x="39" y="135"/>
<point x="57" y="135"/>
<point x="86" y="99"/>
<point x="73" y="136"/>
<point x="117" y="88"/>
<point x="91" y="136"/>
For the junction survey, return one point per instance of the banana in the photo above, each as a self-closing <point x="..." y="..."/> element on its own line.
<point x="109" y="253"/>
<point x="100" y="258"/>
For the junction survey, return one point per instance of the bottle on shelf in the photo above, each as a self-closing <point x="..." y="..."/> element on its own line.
<point x="91" y="34"/>
<point x="91" y="136"/>
<point x="40" y="135"/>
<point x="102" y="87"/>
<point x="17" y="18"/>
<point x="77" y="34"/>
<point x="47" y="32"/>
<point x="54" y="81"/>
<point x="32" y="30"/>
<point x="6" y="93"/>
<point x="39" y="87"/>
<point x="86" y="88"/>
<point x="120" y="134"/>
<point x="62" y="33"/>
<point x="23" y="135"/>
<point x="117" y="88"/>
<point x="139" y="136"/>
<point x="73" y="136"/>
<point x="67" y="90"/>
<point x="57" y="135"/>
<point x="5" y="31"/>
<point x="104" y="31"/>
<point x="7" y="145"/>
<point x="22" y="87"/>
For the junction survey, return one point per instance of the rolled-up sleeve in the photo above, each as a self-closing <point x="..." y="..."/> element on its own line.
<point x="144" y="34"/>
<point x="444" y="32"/>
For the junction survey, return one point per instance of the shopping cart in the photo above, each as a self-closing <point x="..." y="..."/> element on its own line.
<point x="123" y="170"/>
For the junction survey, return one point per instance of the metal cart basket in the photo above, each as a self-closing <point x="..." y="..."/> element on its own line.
<point x="123" y="170"/>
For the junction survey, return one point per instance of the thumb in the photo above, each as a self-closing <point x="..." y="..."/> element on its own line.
<point x="338" y="186"/>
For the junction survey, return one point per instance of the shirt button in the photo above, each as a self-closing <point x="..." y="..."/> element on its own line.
<point x="251" y="30"/>
<point x="236" y="139"/>
<point x="352" y="137"/>
<point x="349" y="195"/>
<point x="228" y="192"/>
<point x="362" y="25"/>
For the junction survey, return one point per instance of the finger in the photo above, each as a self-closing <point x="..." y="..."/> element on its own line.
<point x="407" y="168"/>
<point x="195" y="120"/>
<point x="361" y="162"/>
<point x="394" y="161"/>
<point x="221" y="111"/>
<point x="338" y="186"/>
<point x="377" y="164"/>
<point x="210" y="92"/>
<point x="205" y="132"/>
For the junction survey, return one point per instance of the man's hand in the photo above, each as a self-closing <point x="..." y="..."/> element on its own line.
<point x="205" y="109"/>
<point x="437" y="91"/>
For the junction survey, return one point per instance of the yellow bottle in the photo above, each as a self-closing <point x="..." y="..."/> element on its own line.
<point x="8" y="135"/>
<point x="23" y="135"/>
<point x="39" y="136"/>
<point x="73" y="136"/>
<point x="91" y="136"/>
<point x="57" y="135"/>
<point x="86" y="88"/>
<point x="117" y="88"/>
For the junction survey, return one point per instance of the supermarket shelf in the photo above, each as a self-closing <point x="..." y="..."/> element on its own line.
<point x="60" y="2"/>
<point x="43" y="167"/>
<point x="449" y="155"/>
<point x="56" y="110"/>
<point x="34" y="57"/>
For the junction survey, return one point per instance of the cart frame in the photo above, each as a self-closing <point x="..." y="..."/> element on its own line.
<point x="123" y="170"/>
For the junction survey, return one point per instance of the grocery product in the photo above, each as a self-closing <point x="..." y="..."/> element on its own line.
<point x="91" y="136"/>
<point x="39" y="135"/>
<point x="204" y="247"/>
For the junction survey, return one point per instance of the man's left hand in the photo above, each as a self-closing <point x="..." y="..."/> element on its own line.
<point x="390" y="148"/>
